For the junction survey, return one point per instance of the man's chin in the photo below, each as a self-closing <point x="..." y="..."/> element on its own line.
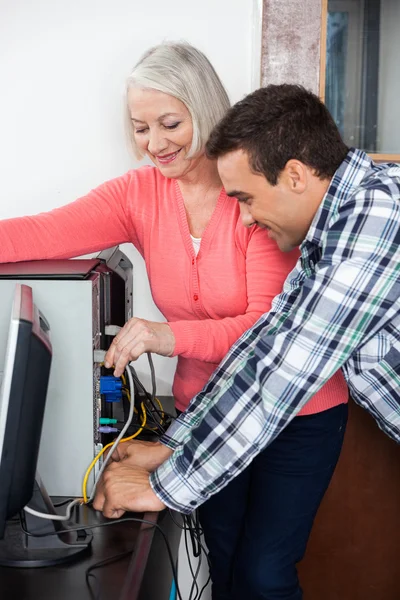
<point x="283" y="245"/>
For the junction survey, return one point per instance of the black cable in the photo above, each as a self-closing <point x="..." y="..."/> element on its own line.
<point x="198" y="533"/>
<point x="174" y="521"/>
<point x="194" y="528"/>
<point x="92" y="594"/>
<point x="145" y="398"/>
<point x="108" y="523"/>
<point x="103" y="563"/>
<point x="189" y="560"/>
<point x="193" y="574"/>
<point x="204" y="587"/>
<point x="153" y="376"/>
<point x="155" y="409"/>
<point x="149" y="398"/>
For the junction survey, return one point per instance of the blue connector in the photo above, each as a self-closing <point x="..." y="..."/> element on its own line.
<point x="111" y="388"/>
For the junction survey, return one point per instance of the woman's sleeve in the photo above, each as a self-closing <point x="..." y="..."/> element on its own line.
<point x="99" y="220"/>
<point x="266" y="270"/>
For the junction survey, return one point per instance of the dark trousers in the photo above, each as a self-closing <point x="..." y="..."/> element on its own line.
<point x="257" y="527"/>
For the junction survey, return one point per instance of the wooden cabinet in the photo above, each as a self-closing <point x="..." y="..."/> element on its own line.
<point x="354" y="549"/>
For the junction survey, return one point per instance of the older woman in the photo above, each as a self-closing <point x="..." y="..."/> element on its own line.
<point x="211" y="277"/>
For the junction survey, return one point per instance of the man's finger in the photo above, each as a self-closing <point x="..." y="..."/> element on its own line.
<point x="99" y="499"/>
<point x="110" y="511"/>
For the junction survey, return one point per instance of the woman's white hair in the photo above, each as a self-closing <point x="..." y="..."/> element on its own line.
<point x="185" y="73"/>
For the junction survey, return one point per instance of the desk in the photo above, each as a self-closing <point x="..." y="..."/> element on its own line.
<point x="144" y="575"/>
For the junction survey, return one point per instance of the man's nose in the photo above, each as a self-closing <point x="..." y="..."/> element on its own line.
<point x="245" y="215"/>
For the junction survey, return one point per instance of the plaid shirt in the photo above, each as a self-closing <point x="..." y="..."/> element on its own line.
<point x="339" y="308"/>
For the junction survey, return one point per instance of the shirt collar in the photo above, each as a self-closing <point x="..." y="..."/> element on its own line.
<point x="347" y="177"/>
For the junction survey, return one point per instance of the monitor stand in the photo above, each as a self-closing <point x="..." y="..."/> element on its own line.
<point x="17" y="549"/>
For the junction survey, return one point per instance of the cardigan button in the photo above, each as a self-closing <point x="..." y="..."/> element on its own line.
<point x="195" y="297"/>
<point x="192" y="261"/>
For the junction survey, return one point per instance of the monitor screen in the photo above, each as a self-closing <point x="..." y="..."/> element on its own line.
<point x="22" y="402"/>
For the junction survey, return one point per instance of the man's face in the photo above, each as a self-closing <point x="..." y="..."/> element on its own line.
<point x="285" y="210"/>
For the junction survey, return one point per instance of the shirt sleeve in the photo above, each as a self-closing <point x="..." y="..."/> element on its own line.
<point x="266" y="270"/>
<point x="99" y="220"/>
<point x="320" y="319"/>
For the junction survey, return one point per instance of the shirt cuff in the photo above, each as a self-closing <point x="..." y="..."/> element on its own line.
<point x="173" y="487"/>
<point x="186" y="341"/>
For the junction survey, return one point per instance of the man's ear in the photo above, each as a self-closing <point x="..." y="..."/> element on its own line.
<point x="294" y="175"/>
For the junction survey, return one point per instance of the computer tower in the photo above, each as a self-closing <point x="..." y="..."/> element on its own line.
<point x="79" y="298"/>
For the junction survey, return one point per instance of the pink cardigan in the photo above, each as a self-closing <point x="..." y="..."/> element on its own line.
<point x="208" y="300"/>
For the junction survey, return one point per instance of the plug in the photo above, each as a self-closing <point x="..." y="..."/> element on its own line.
<point x="111" y="388"/>
<point x="112" y="330"/>
<point x="99" y="356"/>
<point x="107" y="429"/>
<point x="107" y="421"/>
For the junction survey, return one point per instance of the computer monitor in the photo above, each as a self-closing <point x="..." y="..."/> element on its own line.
<point x="22" y="404"/>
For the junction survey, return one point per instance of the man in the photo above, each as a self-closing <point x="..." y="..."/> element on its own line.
<point x="280" y="154"/>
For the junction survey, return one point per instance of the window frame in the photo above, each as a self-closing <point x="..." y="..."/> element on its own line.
<point x="377" y="157"/>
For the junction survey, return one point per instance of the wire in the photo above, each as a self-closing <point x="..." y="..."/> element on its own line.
<point x="197" y="532"/>
<point x="114" y="522"/>
<point x="115" y="443"/>
<point x="127" y="439"/>
<point x="153" y="376"/>
<point x="204" y="587"/>
<point x="161" y="412"/>
<point x="57" y="504"/>
<point x="194" y="575"/>
<point x="52" y="517"/>
<point x="96" y="458"/>
<point x="104" y="563"/>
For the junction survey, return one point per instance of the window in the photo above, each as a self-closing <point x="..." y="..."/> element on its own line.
<point x="360" y="73"/>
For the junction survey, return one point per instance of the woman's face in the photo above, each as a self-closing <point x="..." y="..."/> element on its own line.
<point x="163" y="130"/>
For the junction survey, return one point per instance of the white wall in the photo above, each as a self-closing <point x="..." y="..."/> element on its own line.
<point x="62" y="70"/>
<point x="389" y="78"/>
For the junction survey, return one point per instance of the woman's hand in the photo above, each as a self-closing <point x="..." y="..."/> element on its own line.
<point x="137" y="337"/>
<point x="146" y="455"/>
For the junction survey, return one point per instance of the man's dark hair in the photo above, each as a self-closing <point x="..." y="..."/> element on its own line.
<point x="277" y="123"/>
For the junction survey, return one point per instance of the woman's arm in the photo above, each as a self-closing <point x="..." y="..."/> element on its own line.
<point x="96" y="221"/>
<point x="266" y="270"/>
<point x="209" y="339"/>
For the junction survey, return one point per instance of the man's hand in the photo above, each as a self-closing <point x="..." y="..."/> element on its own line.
<point x="146" y="455"/>
<point x="125" y="488"/>
<point x="137" y="337"/>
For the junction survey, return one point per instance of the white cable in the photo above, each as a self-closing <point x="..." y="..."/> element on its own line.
<point x="121" y="435"/>
<point x="67" y="515"/>
<point x="51" y="517"/>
